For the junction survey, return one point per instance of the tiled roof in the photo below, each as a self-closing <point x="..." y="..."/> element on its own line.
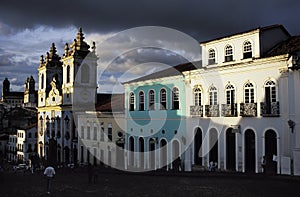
<point x="290" y="45"/>
<point x="173" y="71"/>
<point x="103" y="98"/>
<point x="114" y="104"/>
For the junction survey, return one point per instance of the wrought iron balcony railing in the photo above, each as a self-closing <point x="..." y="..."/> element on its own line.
<point x="196" y="110"/>
<point x="269" y="109"/>
<point x="229" y="110"/>
<point x="248" y="109"/>
<point x="212" y="110"/>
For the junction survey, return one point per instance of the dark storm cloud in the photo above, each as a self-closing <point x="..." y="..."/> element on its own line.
<point x="27" y="28"/>
<point x="201" y="19"/>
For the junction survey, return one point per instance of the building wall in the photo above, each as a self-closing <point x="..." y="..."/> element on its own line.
<point x="157" y="125"/>
<point x="236" y="42"/>
<point x="26" y="144"/>
<point x="99" y="146"/>
<point x="12" y="148"/>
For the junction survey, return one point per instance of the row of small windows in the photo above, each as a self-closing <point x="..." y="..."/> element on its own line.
<point x="151" y="100"/>
<point x="247" y="53"/>
<point x="13" y="140"/>
<point x="87" y="134"/>
<point x="20" y="147"/>
<point x="14" y="101"/>
<point x="249" y="97"/>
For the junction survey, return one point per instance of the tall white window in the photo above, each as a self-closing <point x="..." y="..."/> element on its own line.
<point x="151" y="100"/>
<point x="163" y="99"/>
<point x="82" y="132"/>
<point x="247" y="50"/>
<point x="197" y="96"/>
<point x="131" y="101"/>
<point x="228" y="53"/>
<point x="68" y="74"/>
<point x="141" y="101"/>
<point x="175" y="98"/>
<point x="270" y="91"/>
<point x="42" y="81"/>
<point x="249" y="92"/>
<point x="213" y="95"/>
<point x="102" y="131"/>
<point x="270" y="95"/>
<point x="230" y="94"/>
<point x="109" y="131"/>
<point x="95" y="132"/>
<point x="85" y="71"/>
<point x="211" y="56"/>
<point x="88" y="132"/>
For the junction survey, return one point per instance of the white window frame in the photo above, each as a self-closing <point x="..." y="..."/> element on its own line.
<point x="151" y="100"/>
<point x="197" y="96"/>
<point x="213" y="95"/>
<point x="249" y="92"/>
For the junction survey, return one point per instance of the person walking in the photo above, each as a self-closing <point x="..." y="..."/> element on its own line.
<point x="50" y="174"/>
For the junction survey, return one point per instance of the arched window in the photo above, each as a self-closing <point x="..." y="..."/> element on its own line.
<point x="131" y="101"/>
<point x="230" y="108"/>
<point x="151" y="100"/>
<point x="228" y="53"/>
<point x="197" y="96"/>
<point x="249" y="92"/>
<point x="68" y="74"/>
<point x="211" y="56"/>
<point x="42" y="81"/>
<point x="247" y="50"/>
<point x="270" y="96"/>
<point x="175" y="98"/>
<point x="163" y="99"/>
<point x="141" y="101"/>
<point x="230" y="94"/>
<point x="85" y="70"/>
<point x="213" y="95"/>
<point x="270" y="91"/>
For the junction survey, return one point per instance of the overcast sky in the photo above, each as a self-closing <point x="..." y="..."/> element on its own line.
<point x="27" y="29"/>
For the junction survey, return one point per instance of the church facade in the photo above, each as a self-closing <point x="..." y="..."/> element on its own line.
<point x="57" y="133"/>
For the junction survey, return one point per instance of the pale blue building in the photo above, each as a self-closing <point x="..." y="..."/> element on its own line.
<point x="155" y="119"/>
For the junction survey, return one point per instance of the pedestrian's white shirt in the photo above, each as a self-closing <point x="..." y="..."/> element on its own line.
<point x="49" y="172"/>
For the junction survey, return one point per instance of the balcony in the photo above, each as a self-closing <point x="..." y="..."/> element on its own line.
<point x="212" y="110"/>
<point x="248" y="109"/>
<point x="196" y="110"/>
<point x="269" y="109"/>
<point x="229" y="110"/>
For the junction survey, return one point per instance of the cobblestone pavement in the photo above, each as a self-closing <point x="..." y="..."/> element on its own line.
<point x="113" y="183"/>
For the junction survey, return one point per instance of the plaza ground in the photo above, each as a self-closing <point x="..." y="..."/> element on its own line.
<point x="115" y="183"/>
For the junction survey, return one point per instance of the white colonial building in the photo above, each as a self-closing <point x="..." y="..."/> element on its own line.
<point x="12" y="148"/>
<point x="101" y="134"/>
<point x="239" y="106"/>
<point x="26" y="143"/>
<point x="242" y="102"/>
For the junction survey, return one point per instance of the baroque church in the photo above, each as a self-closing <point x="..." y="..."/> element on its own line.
<point x="57" y="134"/>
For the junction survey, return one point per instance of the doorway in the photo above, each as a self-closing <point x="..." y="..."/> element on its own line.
<point x="230" y="149"/>
<point x="250" y="160"/>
